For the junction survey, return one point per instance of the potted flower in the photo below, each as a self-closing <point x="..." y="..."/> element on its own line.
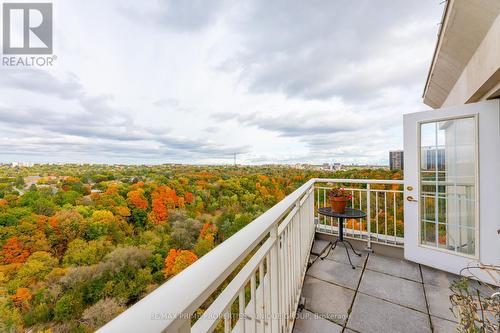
<point x="338" y="199"/>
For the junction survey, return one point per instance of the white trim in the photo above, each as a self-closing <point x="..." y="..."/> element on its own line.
<point x="419" y="124"/>
<point x="488" y="190"/>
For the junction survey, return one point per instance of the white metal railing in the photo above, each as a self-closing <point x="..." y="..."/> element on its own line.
<point x="252" y="282"/>
<point x="384" y="222"/>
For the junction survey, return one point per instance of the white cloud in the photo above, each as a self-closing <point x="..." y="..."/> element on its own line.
<point x="196" y="81"/>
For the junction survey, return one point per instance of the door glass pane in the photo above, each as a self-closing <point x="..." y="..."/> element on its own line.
<point x="448" y="184"/>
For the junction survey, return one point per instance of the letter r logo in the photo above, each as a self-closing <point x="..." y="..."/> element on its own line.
<point x="27" y="28"/>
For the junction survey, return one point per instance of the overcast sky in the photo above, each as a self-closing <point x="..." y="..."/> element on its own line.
<point x="196" y="81"/>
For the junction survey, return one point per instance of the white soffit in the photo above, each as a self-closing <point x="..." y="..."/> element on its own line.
<point x="465" y="24"/>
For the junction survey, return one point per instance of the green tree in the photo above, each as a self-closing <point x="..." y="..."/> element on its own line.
<point x="82" y="253"/>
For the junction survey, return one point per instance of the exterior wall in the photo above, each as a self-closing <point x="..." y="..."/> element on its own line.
<point x="480" y="79"/>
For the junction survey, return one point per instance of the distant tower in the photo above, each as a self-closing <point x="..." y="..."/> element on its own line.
<point x="234" y="159"/>
<point x="396" y="160"/>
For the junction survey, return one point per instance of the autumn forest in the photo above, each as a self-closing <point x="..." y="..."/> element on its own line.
<point x="81" y="243"/>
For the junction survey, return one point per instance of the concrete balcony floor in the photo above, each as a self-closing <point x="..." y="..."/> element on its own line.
<point x="383" y="294"/>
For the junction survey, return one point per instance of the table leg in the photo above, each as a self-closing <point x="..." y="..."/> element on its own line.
<point x="330" y="248"/>
<point x="333" y="245"/>
<point x="341" y="229"/>
<point x="348" y="256"/>
<point x="353" y="250"/>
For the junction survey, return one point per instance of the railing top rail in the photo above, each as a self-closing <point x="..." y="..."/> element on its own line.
<point x="358" y="189"/>
<point x="185" y="292"/>
<point x="360" y="181"/>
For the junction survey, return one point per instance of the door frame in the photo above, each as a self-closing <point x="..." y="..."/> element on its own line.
<point x="419" y="123"/>
<point x="487" y="115"/>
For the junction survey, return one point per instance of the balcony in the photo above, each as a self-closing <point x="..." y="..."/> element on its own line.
<point x="383" y="294"/>
<point x="268" y="278"/>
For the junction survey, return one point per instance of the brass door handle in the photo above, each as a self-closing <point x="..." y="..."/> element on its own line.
<point x="410" y="198"/>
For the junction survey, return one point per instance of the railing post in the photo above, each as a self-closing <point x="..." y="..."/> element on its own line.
<point x="300" y="227"/>
<point x="368" y="218"/>
<point x="275" y="282"/>
<point x="313" y="217"/>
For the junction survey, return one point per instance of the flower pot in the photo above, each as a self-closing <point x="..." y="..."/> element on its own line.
<point x="338" y="204"/>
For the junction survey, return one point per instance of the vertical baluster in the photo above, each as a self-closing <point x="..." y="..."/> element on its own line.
<point x="331" y="225"/>
<point x="267" y="286"/>
<point x="360" y="208"/>
<point x="275" y="284"/>
<point x="324" y="205"/>
<point x="242" y="315"/>
<point x="303" y="224"/>
<point x="288" y="267"/>
<point x="301" y="218"/>
<point x="305" y="228"/>
<point x="309" y="224"/>
<point x="292" y="249"/>
<point x="302" y="235"/>
<point x="311" y="209"/>
<point x="309" y="227"/>
<point x="459" y="198"/>
<point x="352" y="206"/>
<point x="227" y="320"/>
<point x="253" y="297"/>
<point x="291" y="261"/>
<point x="298" y="236"/>
<point x="262" y="298"/>
<point x="295" y="248"/>
<point x="286" y="272"/>
<point x="403" y="217"/>
<point x="296" y="259"/>
<point x="283" y="269"/>
<point x="369" y="216"/>
<point x="385" y="215"/>
<point x="446" y="224"/>
<point x="395" y="217"/>
<point x="376" y="214"/>
<point x="317" y="206"/>
<point x="306" y="218"/>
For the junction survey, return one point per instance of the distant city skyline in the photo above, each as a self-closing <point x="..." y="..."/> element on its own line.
<point x="331" y="166"/>
<point x="196" y="82"/>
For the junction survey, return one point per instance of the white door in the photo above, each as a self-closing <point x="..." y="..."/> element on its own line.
<point x="452" y="187"/>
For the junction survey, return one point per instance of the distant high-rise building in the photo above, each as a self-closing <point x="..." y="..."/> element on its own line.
<point x="433" y="158"/>
<point x="396" y="160"/>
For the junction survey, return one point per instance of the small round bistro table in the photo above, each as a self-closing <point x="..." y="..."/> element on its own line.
<point x="350" y="213"/>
